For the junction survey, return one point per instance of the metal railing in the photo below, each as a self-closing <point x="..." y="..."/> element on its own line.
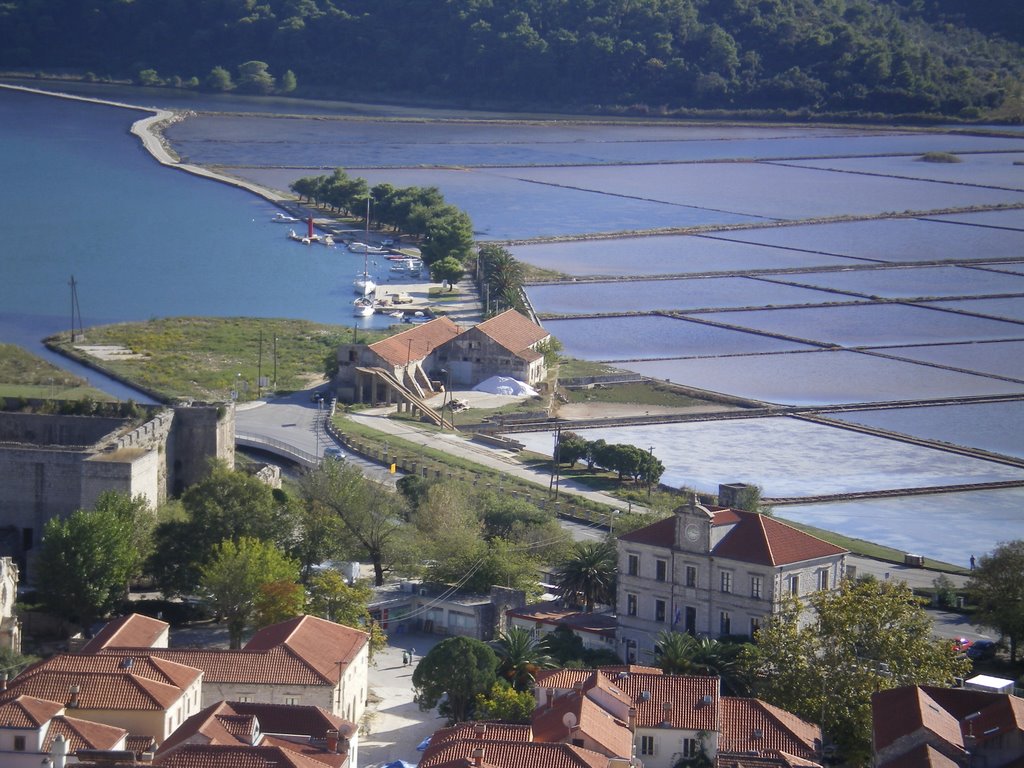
<point x="276" y="446"/>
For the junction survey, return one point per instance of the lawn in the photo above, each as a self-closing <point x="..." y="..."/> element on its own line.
<point x="639" y="393"/>
<point x="209" y="358"/>
<point x="22" y="374"/>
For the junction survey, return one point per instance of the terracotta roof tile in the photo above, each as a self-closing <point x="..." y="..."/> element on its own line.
<point x="217" y="756"/>
<point x="754" y="538"/>
<point x="416" y="343"/>
<point x="493" y="731"/>
<point x="693" y="700"/>
<point x="314" y="751"/>
<point x="294" y="720"/>
<point x="141" y="664"/>
<point x="611" y="735"/>
<point x="28" y="712"/>
<point x="84" y="734"/>
<point x="659" y="534"/>
<point x="102" y="690"/>
<point x="766" y="541"/>
<point x="751" y="726"/>
<point x="921" y="756"/>
<point x="511" y="754"/>
<point x="131" y="631"/>
<point x="901" y="711"/>
<point x="513" y="331"/>
<point x="320" y="643"/>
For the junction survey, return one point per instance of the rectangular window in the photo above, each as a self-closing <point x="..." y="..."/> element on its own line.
<point x="646" y="745"/>
<point x="660" y="570"/>
<point x="291" y="700"/>
<point x="691" y="576"/>
<point x="755" y="625"/>
<point x="755" y="587"/>
<point x="633" y="564"/>
<point x="244" y="697"/>
<point x="630" y="605"/>
<point x="794" y="585"/>
<point x="689" y="747"/>
<point x="823" y="579"/>
<point x="659" y="610"/>
<point x="726" y="581"/>
<point x="19" y="743"/>
<point x="725" y="624"/>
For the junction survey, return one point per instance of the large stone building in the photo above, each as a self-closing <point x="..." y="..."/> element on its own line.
<point x="714" y="571"/>
<point x="54" y="464"/>
<point x="439" y="353"/>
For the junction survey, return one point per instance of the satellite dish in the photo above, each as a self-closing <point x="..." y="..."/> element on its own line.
<point x="569" y="720"/>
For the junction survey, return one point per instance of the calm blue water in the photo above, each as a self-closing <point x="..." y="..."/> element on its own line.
<point x="81" y="197"/>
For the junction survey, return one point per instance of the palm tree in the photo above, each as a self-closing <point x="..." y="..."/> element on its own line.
<point x="520" y="657"/>
<point x="713" y="657"/>
<point x="588" y="575"/>
<point x="674" y="651"/>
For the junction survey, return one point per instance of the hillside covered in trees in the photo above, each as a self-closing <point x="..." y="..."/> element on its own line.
<point x="953" y="57"/>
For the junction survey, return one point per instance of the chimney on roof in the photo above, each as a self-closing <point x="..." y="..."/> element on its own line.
<point x="73" y="701"/>
<point x="479" y="729"/>
<point x="578" y="687"/>
<point x="632" y="719"/>
<point x="59" y="752"/>
<point x="478" y="757"/>
<point x="550" y="693"/>
<point x="332" y="740"/>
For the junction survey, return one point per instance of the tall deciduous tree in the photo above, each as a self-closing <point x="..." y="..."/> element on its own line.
<point x="255" y="77"/>
<point x="865" y="637"/>
<point x="588" y="576"/>
<point x="371" y="515"/>
<point x="332" y="599"/>
<point x="88" y="558"/>
<point x="460" y="667"/>
<point x="997" y="585"/>
<point x="238" y="576"/>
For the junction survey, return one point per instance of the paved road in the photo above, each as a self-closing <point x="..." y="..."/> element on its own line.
<point x="296" y="420"/>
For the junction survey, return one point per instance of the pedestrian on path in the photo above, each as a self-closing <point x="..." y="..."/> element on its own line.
<point x="972" y="562"/>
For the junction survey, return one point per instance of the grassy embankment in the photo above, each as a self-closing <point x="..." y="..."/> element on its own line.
<point x="23" y="375"/>
<point x="208" y="358"/>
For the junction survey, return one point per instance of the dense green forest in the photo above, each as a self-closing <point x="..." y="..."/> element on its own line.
<point x="954" y="57"/>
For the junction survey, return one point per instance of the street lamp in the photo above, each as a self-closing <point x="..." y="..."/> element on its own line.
<point x="447" y="388"/>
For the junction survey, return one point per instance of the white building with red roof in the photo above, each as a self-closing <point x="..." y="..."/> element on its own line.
<point x="662" y="719"/>
<point x="439" y="352"/>
<point x="715" y="571"/>
<point x="144" y="695"/>
<point x="305" y="660"/>
<point x="35" y="730"/>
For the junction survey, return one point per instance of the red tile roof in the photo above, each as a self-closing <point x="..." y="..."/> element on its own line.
<point x="294" y="720"/>
<point x="754" y="538"/>
<point x="321" y="644"/>
<point x="921" y="756"/>
<point x="493" y="731"/>
<point x="510" y="754"/>
<point x="611" y="736"/>
<point x="514" y="332"/>
<point x="106" y="681"/>
<point x="84" y="734"/>
<point x="899" y="712"/>
<point x="131" y="631"/>
<point x="751" y="726"/>
<point x="416" y="343"/>
<point x="278" y="666"/>
<point x="217" y="756"/>
<point x="28" y="712"/>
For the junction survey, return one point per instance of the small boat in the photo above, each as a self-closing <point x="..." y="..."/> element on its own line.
<point x="293" y="235"/>
<point x="327" y="240"/>
<point x="363" y="306"/>
<point x="364" y="285"/>
<point x="283" y="218"/>
<point x="398" y="314"/>
<point x="364" y="248"/>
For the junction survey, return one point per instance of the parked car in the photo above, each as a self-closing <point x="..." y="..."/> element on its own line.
<point x="317" y="397"/>
<point x="334" y="452"/>
<point x="982" y="649"/>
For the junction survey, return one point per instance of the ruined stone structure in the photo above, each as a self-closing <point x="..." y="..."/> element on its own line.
<point x="54" y="464"/>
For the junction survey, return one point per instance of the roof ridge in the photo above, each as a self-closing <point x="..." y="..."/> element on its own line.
<point x="767" y="539"/>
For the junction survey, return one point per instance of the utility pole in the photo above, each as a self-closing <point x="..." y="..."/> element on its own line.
<point x="259" y="369"/>
<point x="275" y="362"/>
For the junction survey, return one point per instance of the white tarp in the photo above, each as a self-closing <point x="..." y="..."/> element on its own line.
<point x="503" y="385"/>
